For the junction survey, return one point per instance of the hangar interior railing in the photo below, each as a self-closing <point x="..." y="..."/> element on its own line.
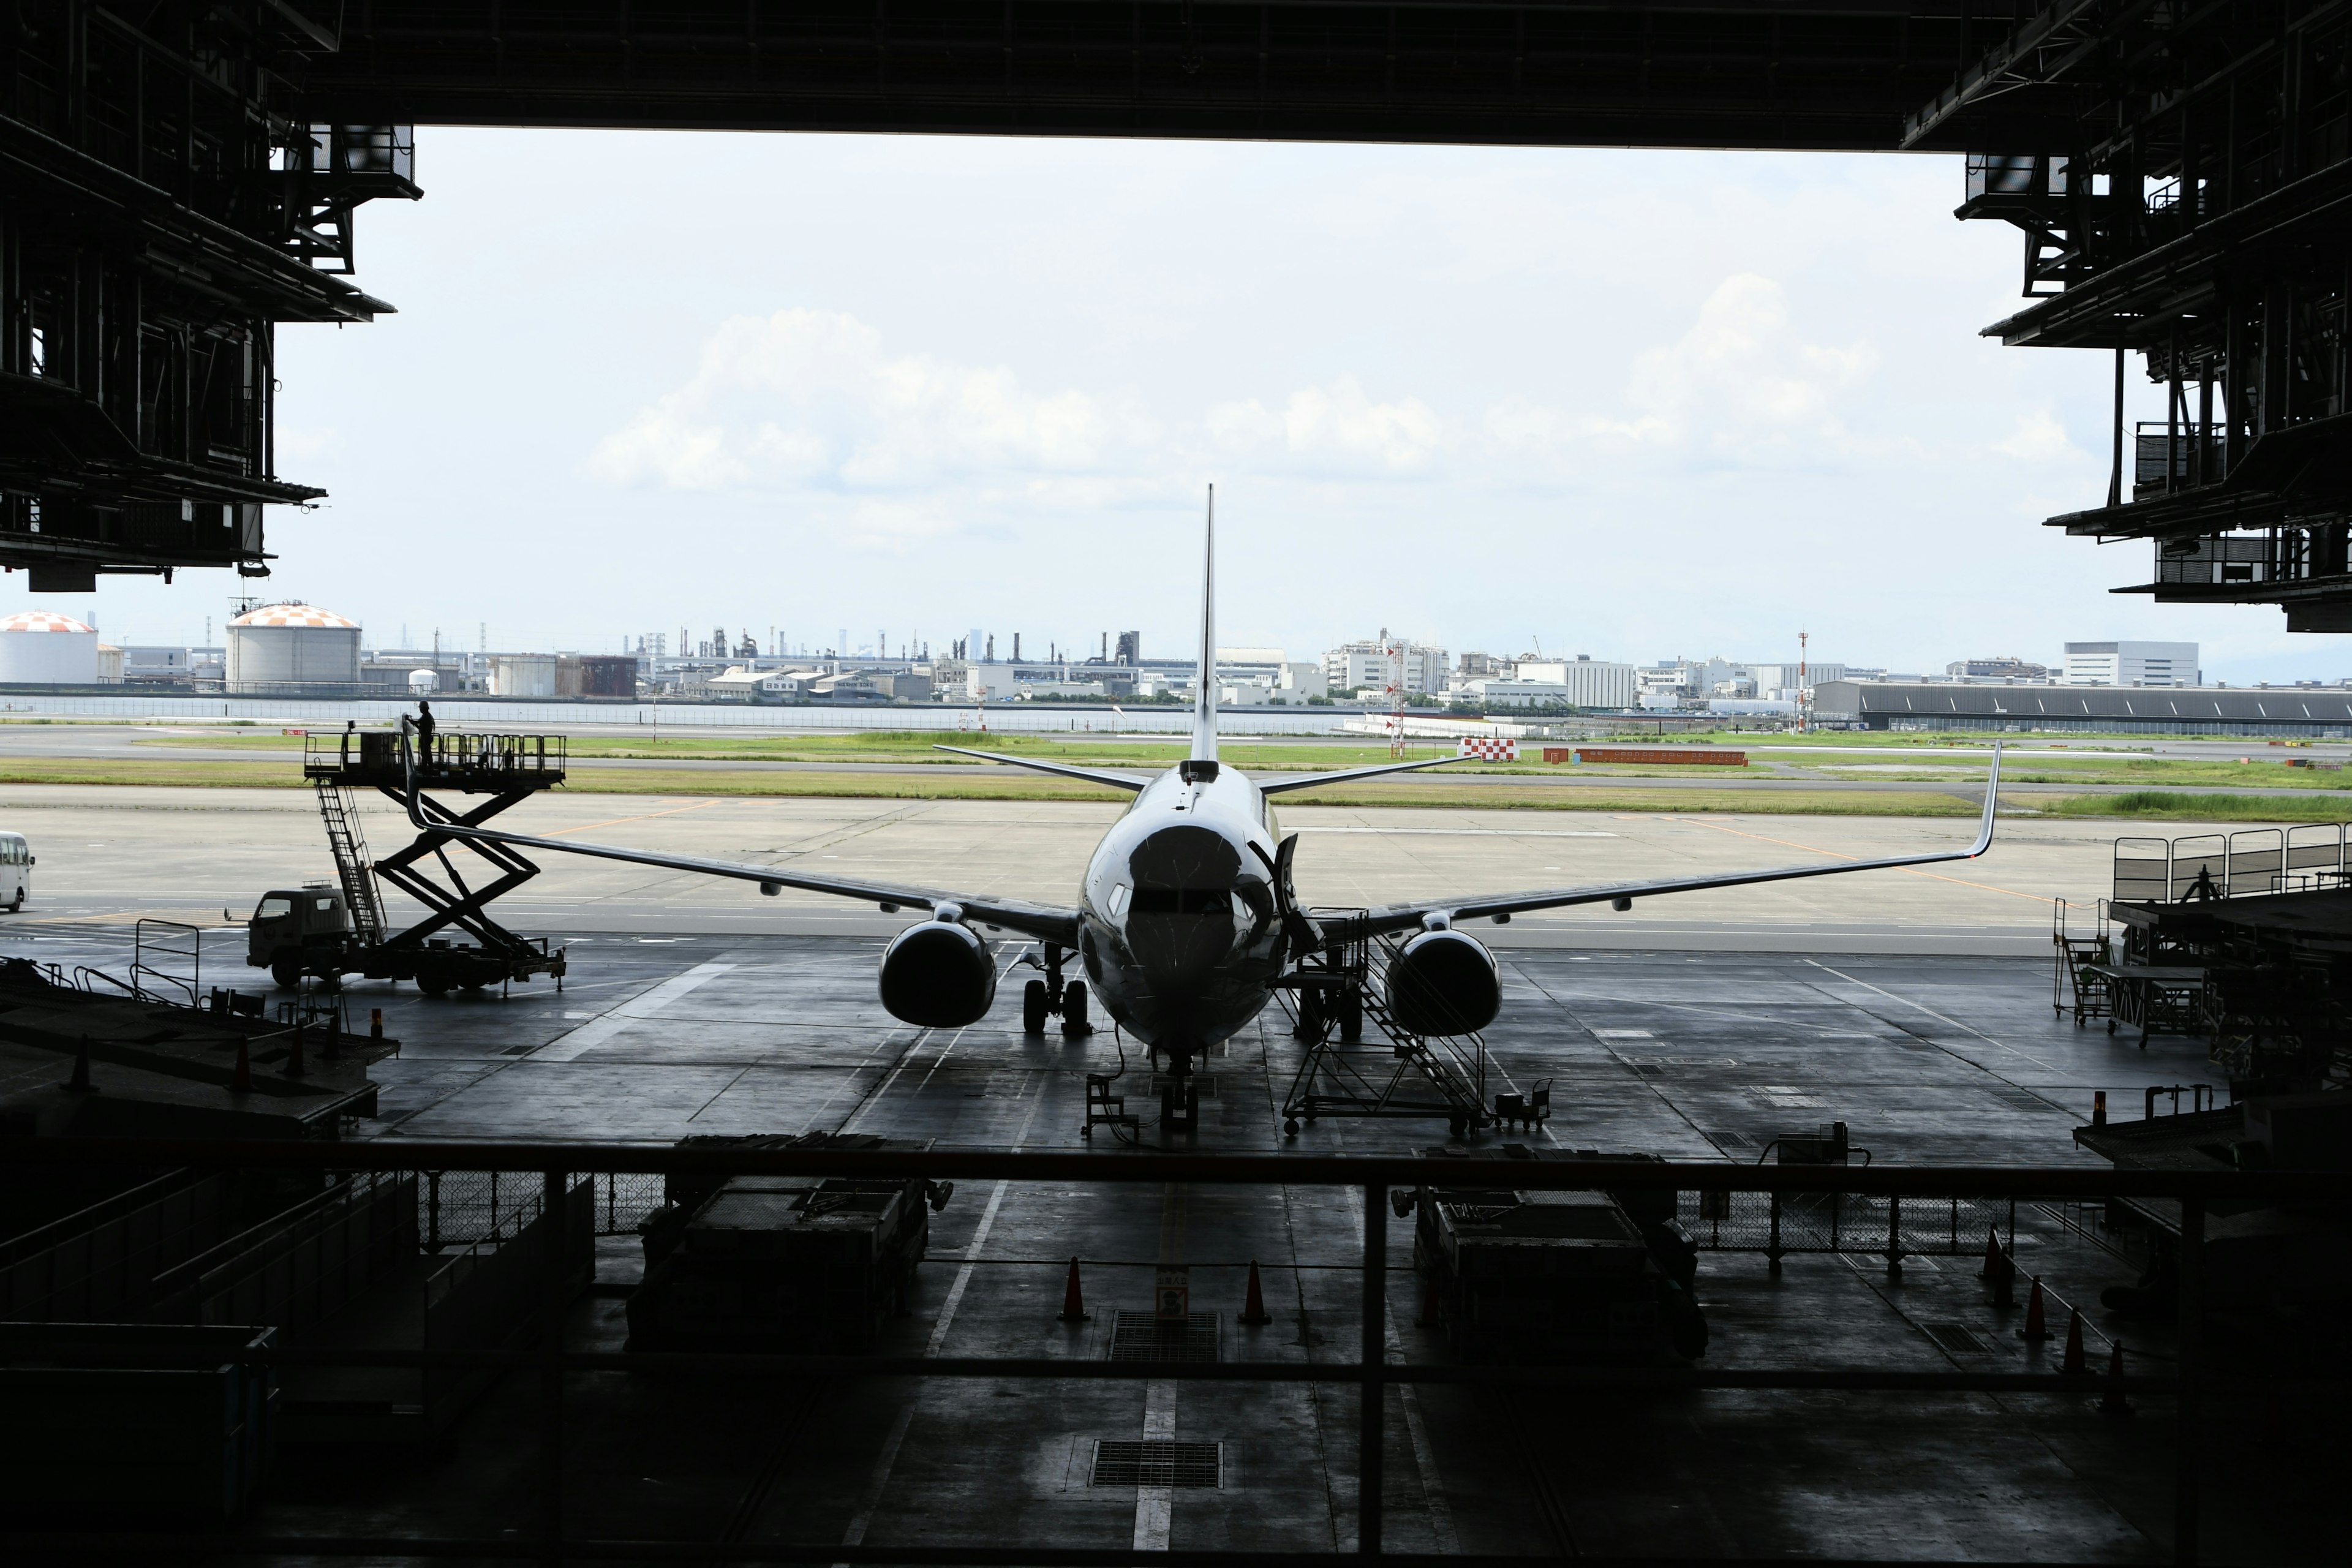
<point x="582" y="1180"/>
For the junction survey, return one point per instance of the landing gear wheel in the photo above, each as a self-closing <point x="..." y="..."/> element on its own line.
<point x="1290" y="1128"/>
<point x="1032" y="1008"/>
<point x="1351" y="1017"/>
<point x="1074" y="1009"/>
<point x="1458" y="1128"/>
<point x="433" y="985"/>
<point x="1310" y="1016"/>
<point x="331" y="983"/>
<point x="2111" y="1026"/>
<point x="286" y="972"/>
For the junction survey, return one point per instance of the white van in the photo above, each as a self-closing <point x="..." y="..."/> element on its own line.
<point x="15" y="872"/>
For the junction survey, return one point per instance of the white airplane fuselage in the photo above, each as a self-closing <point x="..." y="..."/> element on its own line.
<point x="1180" y="934"/>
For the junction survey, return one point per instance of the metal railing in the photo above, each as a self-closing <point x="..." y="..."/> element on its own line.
<point x="558" y="1166"/>
<point x="2202" y="866"/>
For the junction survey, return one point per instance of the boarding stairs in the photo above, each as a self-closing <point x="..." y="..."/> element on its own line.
<point x="1398" y="1074"/>
<point x="353" y="871"/>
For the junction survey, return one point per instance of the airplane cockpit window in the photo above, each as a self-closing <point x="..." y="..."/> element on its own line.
<point x="1117" y="899"/>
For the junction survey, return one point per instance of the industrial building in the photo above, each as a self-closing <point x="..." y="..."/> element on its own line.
<point x="41" y="648"/>
<point x="292" y="647"/>
<point x="2275" y="710"/>
<point x="2132" y="664"/>
<point x="1382" y="662"/>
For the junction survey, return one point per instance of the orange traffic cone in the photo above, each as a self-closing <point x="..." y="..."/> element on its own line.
<point x="2114" y="1404"/>
<point x="241" y="1081"/>
<point x="1994" y="1261"/>
<point x="1254" y="1312"/>
<point x="2037" y="1327"/>
<point x="1074" y="1305"/>
<point x="2074" y="1366"/>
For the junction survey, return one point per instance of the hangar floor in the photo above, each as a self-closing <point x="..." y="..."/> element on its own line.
<point x="1942" y="1059"/>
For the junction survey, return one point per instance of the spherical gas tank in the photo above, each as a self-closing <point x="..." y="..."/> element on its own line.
<point x="938" y="976"/>
<point x="1444" y="984"/>
<point x="423" y="682"/>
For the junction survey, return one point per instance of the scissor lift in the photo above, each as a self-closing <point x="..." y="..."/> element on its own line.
<point x="508" y="769"/>
<point x="1400" y="1075"/>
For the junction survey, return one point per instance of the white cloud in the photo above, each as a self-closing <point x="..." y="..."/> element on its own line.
<point x="1336" y="424"/>
<point x="1741" y="379"/>
<point x="812" y="398"/>
<point x="2039" y="438"/>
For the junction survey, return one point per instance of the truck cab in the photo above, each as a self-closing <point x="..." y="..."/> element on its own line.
<point x="297" y="931"/>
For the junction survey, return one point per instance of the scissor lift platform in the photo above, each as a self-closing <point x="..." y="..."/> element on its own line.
<point x="508" y="769"/>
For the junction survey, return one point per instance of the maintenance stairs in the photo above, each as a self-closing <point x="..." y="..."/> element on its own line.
<point x="353" y="871"/>
<point x="1399" y="1074"/>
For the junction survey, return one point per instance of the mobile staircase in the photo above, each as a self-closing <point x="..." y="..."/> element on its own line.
<point x="1398" y="1074"/>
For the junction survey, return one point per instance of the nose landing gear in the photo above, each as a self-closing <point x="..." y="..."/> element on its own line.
<point x="1053" y="997"/>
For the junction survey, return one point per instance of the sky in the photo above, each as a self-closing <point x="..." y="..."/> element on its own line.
<point x="1634" y="404"/>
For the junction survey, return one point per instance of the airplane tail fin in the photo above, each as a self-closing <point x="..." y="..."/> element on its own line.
<point x="1204" y="698"/>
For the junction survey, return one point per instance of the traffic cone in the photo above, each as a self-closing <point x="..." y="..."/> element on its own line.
<point x="375" y="1023"/>
<point x="1254" y="1312"/>
<point x="241" y="1081"/>
<point x="2073" y="1365"/>
<point x="1993" y="1259"/>
<point x="79" y="1083"/>
<point x="2114" y="1402"/>
<point x="2037" y="1327"/>
<point x="1074" y="1305"/>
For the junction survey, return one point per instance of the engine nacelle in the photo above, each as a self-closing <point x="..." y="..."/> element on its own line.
<point x="1444" y="982"/>
<point x="938" y="976"/>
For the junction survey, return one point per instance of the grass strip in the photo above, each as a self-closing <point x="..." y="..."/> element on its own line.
<point x="2162" y="805"/>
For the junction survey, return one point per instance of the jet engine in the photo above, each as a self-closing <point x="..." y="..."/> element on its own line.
<point x="939" y="975"/>
<point x="1444" y="982"/>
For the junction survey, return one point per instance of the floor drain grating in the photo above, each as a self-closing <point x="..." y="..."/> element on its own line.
<point x="1957" y="1338"/>
<point x="2022" y="1100"/>
<point x="1732" y="1140"/>
<point x="1158" y="1462"/>
<point x="1139" y="1336"/>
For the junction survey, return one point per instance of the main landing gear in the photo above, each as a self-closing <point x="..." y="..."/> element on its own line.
<point x="1053" y="997"/>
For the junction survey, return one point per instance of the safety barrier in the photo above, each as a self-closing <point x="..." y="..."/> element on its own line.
<point x="558" y="1166"/>
<point x="2307" y="856"/>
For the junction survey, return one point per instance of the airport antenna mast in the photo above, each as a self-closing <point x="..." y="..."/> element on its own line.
<point x="1802" y="638"/>
<point x="1396" y="657"/>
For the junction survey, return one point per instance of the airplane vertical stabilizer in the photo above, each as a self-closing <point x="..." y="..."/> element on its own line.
<point x="1204" y="699"/>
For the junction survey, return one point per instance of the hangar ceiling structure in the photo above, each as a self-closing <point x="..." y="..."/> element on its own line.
<point x="178" y="178"/>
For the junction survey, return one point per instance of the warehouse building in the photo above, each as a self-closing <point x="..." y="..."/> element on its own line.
<point x="2314" y="711"/>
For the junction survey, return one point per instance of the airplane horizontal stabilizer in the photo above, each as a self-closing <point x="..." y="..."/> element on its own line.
<point x="1067" y="770"/>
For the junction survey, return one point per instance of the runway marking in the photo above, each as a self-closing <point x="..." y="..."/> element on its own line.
<point x="570" y="1046"/>
<point x="1475" y="832"/>
<point x="888" y="1458"/>
<point x="641" y="816"/>
<point x="1955" y="1024"/>
<point x="1906" y="871"/>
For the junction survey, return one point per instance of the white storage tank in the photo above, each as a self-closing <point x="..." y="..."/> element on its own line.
<point x="423" y="682"/>
<point x="41" y="648"/>
<point x="292" y="644"/>
<point x="522" y="675"/>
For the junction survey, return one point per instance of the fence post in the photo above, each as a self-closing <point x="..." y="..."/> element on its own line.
<point x="1772" y="1247"/>
<point x="551" y="1228"/>
<point x="2186" y="1406"/>
<point x="1894" y="1236"/>
<point x="432" y="1211"/>
<point x="1372" y="1412"/>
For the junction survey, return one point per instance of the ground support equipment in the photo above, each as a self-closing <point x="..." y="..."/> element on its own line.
<point x="508" y="769"/>
<point x="1399" y="1075"/>
<point x="783" y="1263"/>
<point x="2078" y="981"/>
<point x="1576" y="1277"/>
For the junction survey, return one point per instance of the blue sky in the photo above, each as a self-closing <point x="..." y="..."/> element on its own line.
<point x="1626" y="403"/>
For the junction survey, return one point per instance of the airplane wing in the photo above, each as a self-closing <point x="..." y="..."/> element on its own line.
<point x="1043" y="921"/>
<point x="1310" y="781"/>
<point x="1501" y="907"/>
<point x="1092" y="775"/>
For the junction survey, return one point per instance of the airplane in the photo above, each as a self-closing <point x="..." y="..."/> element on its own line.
<point x="1187" y="922"/>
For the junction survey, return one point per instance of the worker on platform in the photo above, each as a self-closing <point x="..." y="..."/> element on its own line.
<point x="424" y="732"/>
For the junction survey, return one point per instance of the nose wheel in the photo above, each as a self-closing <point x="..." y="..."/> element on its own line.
<point x="1053" y="997"/>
